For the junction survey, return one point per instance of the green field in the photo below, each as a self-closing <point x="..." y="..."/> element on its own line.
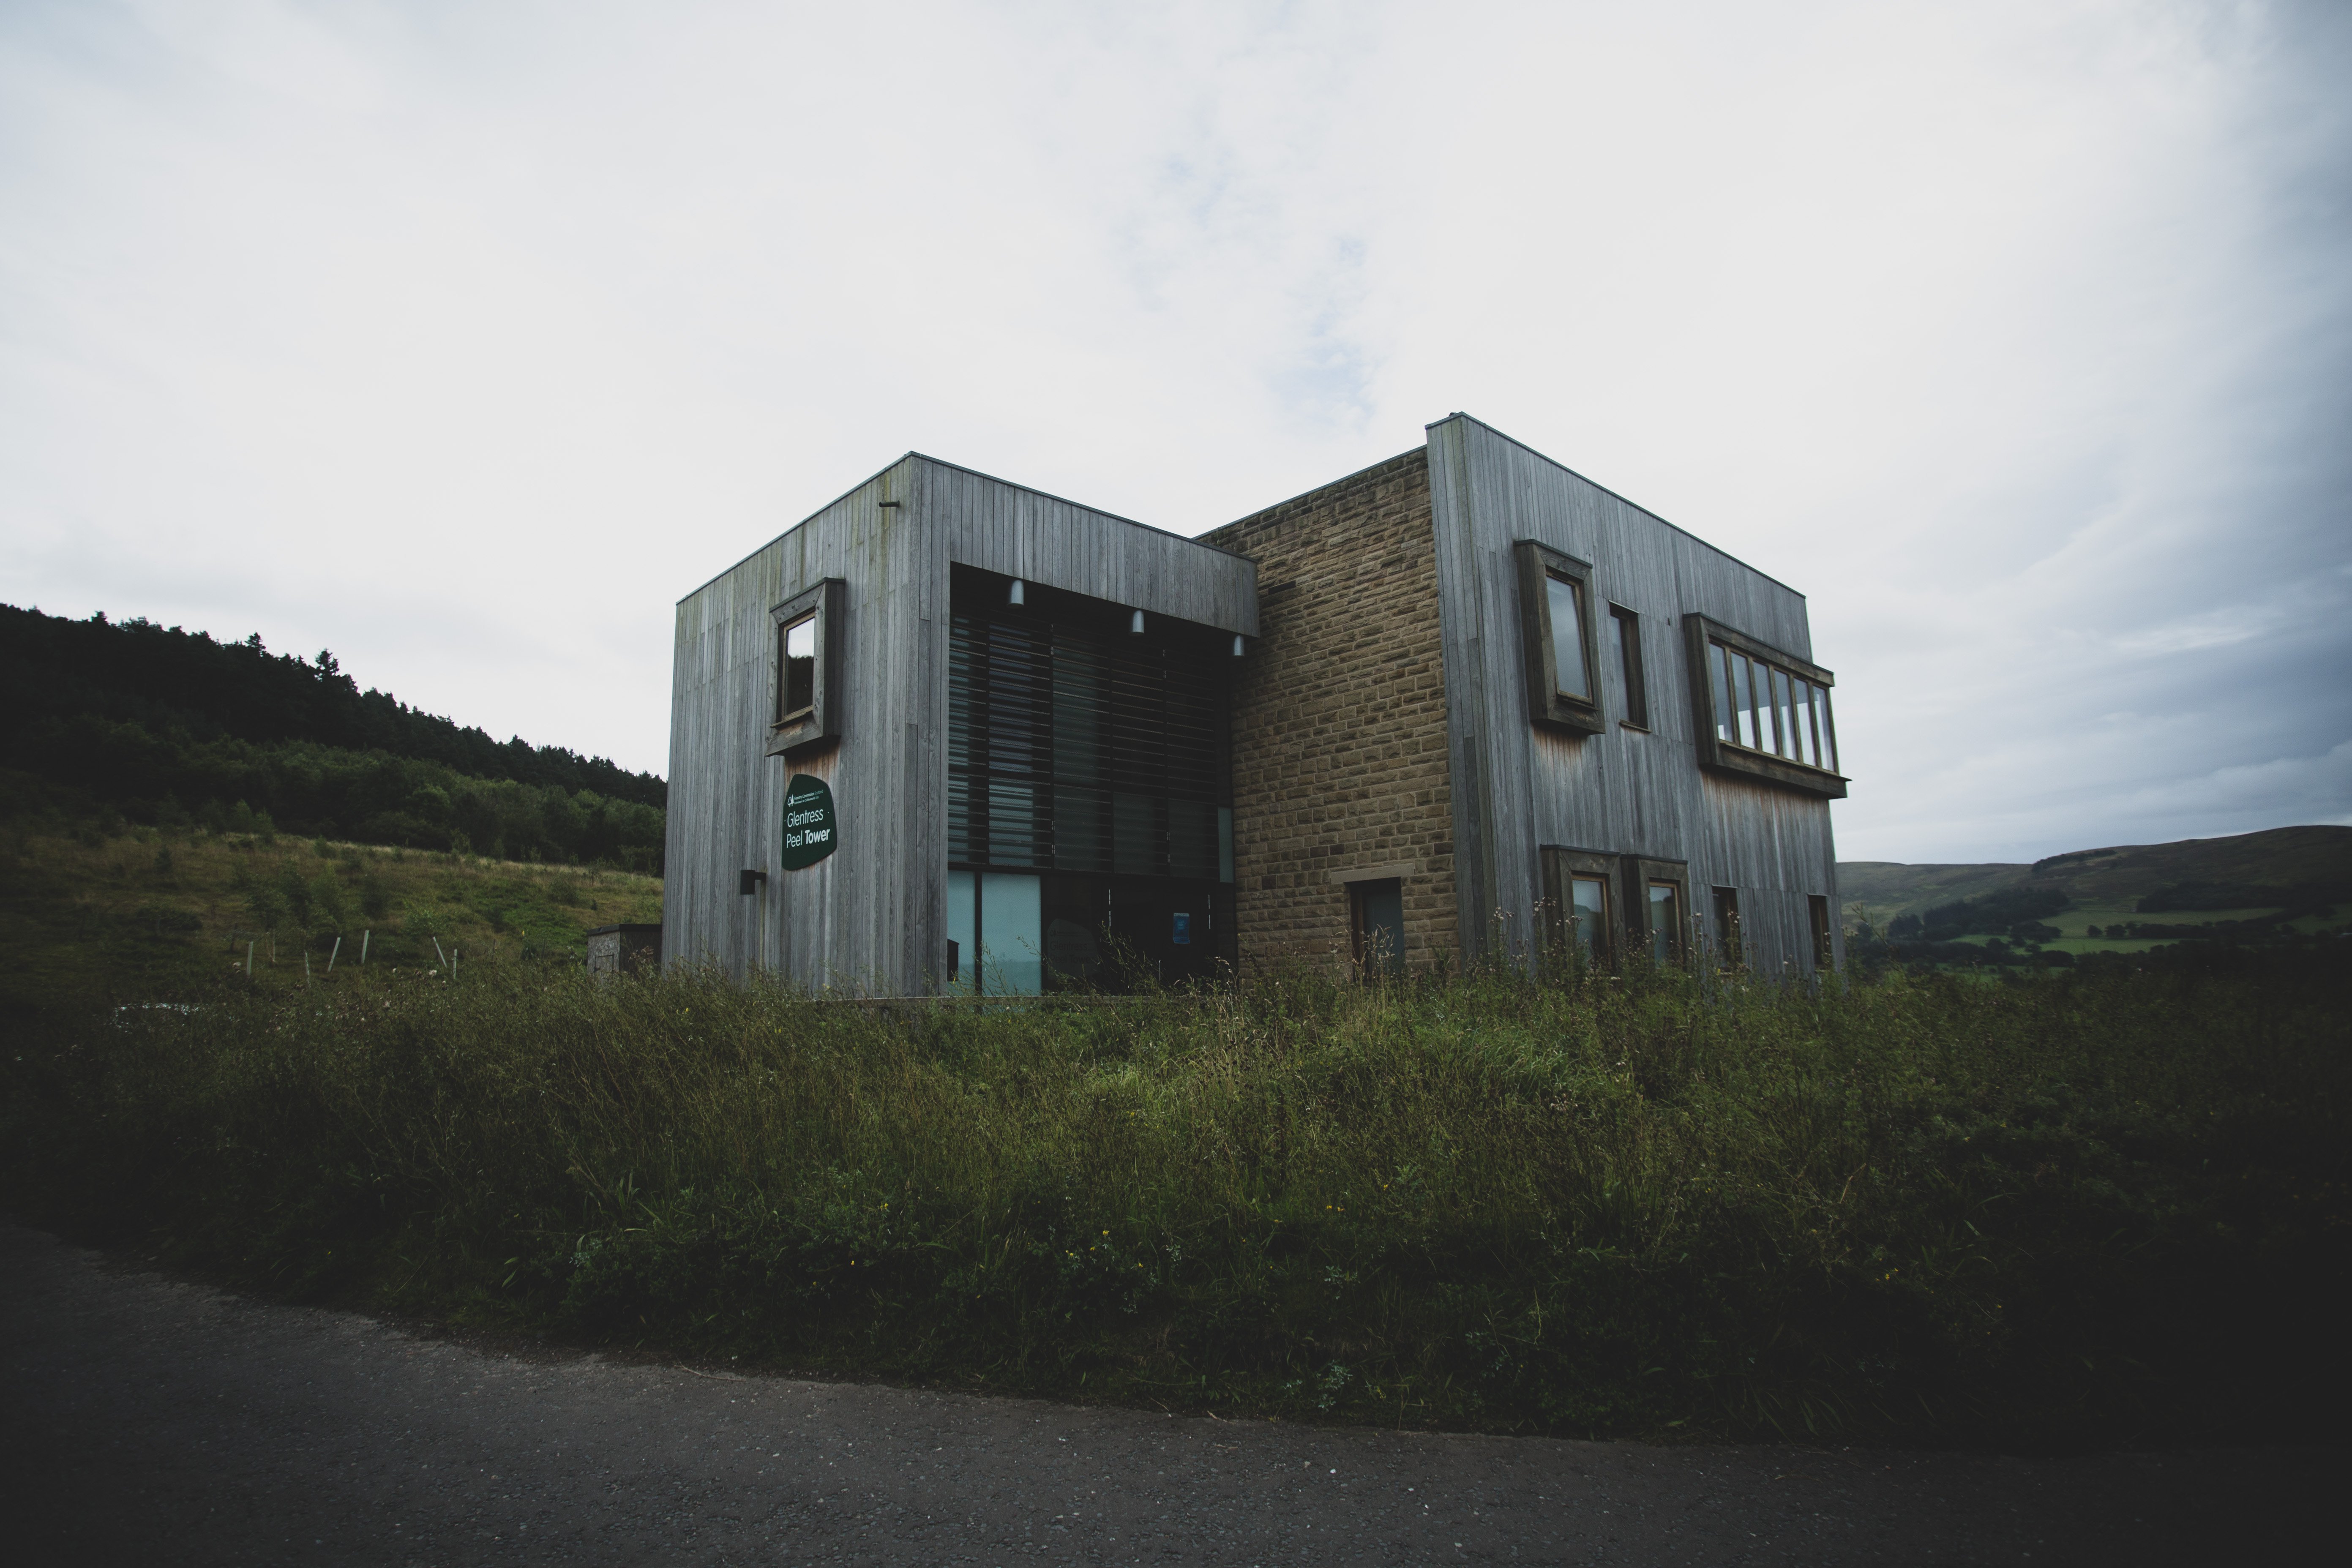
<point x="94" y="908"/>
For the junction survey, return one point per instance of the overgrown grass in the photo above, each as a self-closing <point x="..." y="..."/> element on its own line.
<point x="2097" y="1210"/>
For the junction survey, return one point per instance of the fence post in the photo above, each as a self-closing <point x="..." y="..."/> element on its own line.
<point x="248" y="961"/>
<point x="363" y="942"/>
<point x="331" y="956"/>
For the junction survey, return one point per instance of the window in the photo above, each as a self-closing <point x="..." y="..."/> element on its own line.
<point x="807" y="712"/>
<point x="1577" y="913"/>
<point x="1817" y="910"/>
<point x="798" y="686"/>
<point x="1761" y="712"/>
<point x="1629" y="661"/>
<point x="1726" y="927"/>
<point x="1376" y="926"/>
<point x="1559" y="641"/>
<point x="1656" y="912"/>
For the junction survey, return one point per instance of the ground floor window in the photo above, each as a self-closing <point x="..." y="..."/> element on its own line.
<point x="1726" y="926"/>
<point x="1011" y="933"/>
<point x="1817" y="911"/>
<point x="1376" y="926"/>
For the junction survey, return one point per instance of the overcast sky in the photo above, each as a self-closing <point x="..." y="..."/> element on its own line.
<point x="464" y="338"/>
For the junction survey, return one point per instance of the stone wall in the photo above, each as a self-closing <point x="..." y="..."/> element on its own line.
<point x="1338" y="722"/>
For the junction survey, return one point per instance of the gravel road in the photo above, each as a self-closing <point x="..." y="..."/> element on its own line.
<point x="147" y="1420"/>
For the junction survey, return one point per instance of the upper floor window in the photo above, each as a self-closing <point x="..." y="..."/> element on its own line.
<point x="796" y="692"/>
<point x="1559" y="643"/>
<point x="1761" y="712"/>
<point x="808" y="706"/>
<point x="1629" y="664"/>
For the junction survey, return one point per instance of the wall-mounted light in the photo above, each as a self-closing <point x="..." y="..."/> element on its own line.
<point x="1018" y="594"/>
<point x="1136" y="623"/>
<point x="1237" y="645"/>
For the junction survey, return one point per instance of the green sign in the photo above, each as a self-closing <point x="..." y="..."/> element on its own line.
<point x="810" y="834"/>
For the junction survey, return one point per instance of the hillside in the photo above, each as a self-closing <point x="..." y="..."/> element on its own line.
<point x="122" y="913"/>
<point x="2286" y="885"/>
<point x="171" y="729"/>
<point x="2117" y="877"/>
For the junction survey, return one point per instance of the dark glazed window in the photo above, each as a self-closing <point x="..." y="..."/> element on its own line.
<point x="808" y="673"/>
<point x="1761" y="712"/>
<point x="1726" y="926"/>
<point x="798" y="688"/>
<point x="1665" y="922"/>
<point x="1565" y="599"/>
<point x="1579" y="914"/>
<point x="1817" y="909"/>
<point x="1629" y="661"/>
<point x="1559" y="642"/>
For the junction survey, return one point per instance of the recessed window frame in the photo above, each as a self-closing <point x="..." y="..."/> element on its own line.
<point x="818" y="723"/>
<point x="1754" y="755"/>
<point x="1563" y="867"/>
<point x="1539" y="566"/>
<point x="1633" y="675"/>
<point x="1639" y="872"/>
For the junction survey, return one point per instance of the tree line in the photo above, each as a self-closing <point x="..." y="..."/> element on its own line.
<point x="280" y="743"/>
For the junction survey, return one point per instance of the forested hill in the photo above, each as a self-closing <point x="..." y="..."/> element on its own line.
<point x="167" y="680"/>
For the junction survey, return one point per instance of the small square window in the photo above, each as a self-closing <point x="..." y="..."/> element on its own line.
<point x="1579" y="908"/>
<point x="799" y="684"/>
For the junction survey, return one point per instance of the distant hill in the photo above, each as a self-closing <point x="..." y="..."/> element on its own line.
<point x="2199" y="874"/>
<point x="170" y="728"/>
<point x="167" y="681"/>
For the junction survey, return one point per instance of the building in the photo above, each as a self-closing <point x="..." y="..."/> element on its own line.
<point x="951" y="732"/>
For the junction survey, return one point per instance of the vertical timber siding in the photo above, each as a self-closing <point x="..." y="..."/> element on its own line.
<point x="1517" y="788"/>
<point x="1338" y="722"/>
<point x="871" y="917"/>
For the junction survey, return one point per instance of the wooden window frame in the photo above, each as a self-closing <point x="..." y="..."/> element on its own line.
<point x="1743" y="762"/>
<point x="1628" y="624"/>
<point x="1731" y="929"/>
<point x="1639" y="871"/>
<point x="820" y="724"/>
<point x="1560" y="867"/>
<point x="1547" y="706"/>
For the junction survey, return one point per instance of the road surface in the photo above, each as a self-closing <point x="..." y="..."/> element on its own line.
<point x="146" y="1420"/>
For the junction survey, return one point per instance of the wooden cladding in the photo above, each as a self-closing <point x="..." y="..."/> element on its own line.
<point x="805" y="713"/>
<point x="1760" y="713"/>
<point x="1070" y="751"/>
<point x="1560" y="648"/>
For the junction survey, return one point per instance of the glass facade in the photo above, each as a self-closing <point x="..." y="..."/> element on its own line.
<point x="1091" y="760"/>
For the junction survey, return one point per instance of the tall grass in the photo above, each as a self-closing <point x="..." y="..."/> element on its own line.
<point x="2081" y="1210"/>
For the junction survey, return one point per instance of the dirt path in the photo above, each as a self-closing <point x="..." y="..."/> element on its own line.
<point x="148" y="1421"/>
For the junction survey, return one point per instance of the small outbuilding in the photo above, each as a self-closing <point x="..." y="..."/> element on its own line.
<point x="951" y="733"/>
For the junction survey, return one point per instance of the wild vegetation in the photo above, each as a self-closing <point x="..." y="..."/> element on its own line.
<point x="98" y="910"/>
<point x="170" y="728"/>
<point x="2075" y="1210"/>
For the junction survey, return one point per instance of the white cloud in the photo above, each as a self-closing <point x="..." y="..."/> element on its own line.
<point x="464" y="338"/>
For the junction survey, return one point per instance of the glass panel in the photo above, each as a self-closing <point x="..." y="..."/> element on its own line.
<point x="1192" y="838"/>
<point x="1589" y="911"/>
<point x="1665" y="922"/>
<point x="962" y="951"/>
<point x="1567" y="639"/>
<point x="1224" y="844"/>
<point x="1081" y="828"/>
<point x="800" y="667"/>
<point x="1718" y="674"/>
<point x="1743" y="701"/>
<point x="1829" y="730"/>
<point x="1011" y="935"/>
<point x="1135" y="835"/>
<point x="1803" y="710"/>
<point x="1784" y="716"/>
<point x="1016" y="827"/>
